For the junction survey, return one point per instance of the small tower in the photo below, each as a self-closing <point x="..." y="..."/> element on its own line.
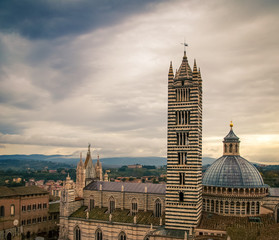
<point x="99" y="169"/>
<point x="80" y="177"/>
<point x="90" y="173"/>
<point x="231" y="143"/>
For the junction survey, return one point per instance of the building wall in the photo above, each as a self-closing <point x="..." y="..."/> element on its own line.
<point x="38" y="213"/>
<point x="123" y="200"/>
<point x="7" y="221"/>
<point x="110" y="230"/>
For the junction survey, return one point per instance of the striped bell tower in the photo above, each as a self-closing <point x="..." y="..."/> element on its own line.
<point x="184" y="165"/>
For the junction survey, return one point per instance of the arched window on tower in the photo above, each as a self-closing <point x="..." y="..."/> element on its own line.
<point x="77" y="235"/>
<point x="122" y="236"/>
<point x="99" y="234"/>
<point x="226" y="148"/>
<point x="111" y="204"/>
<point x="230" y="148"/>
<point x="158" y="208"/>
<point x="236" y="148"/>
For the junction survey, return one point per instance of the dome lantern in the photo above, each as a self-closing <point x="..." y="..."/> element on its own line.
<point x="231" y="143"/>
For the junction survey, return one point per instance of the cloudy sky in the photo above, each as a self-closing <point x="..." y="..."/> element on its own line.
<point x="80" y="71"/>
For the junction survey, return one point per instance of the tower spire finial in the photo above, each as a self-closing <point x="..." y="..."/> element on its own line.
<point x="185" y="45"/>
<point x="231" y="124"/>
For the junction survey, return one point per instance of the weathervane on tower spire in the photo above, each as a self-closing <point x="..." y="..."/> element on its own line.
<point x="185" y="45"/>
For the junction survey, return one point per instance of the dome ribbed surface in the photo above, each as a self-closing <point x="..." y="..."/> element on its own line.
<point x="232" y="171"/>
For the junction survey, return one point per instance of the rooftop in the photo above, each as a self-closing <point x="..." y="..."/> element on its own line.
<point x="118" y="215"/>
<point x="128" y="187"/>
<point x="21" y="191"/>
<point x="233" y="171"/>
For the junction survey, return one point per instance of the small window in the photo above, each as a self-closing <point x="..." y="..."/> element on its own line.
<point x="134" y="207"/>
<point x="92" y="204"/>
<point x="34" y="206"/>
<point x="111" y="205"/>
<point x="39" y="206"/>
<point x="99" y="234"/>
<point x="29" y="208"/>
<point x="39" y="219"/>
<point x="181" y="196"/>
<point x="34" y="220"/>
<point x="12" y="210"/>
<point x="2" y="211"/>
<point x="44" y="205"/>
<point x="122" y="236"/>
<point x="158" y="208"/>
<point x="77" y="235"/>
<point x="23" y="208"/>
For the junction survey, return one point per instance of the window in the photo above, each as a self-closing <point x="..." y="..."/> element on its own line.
<point x="29" y="208"/>
<point x="55" y="217"/>
<point x="182" y="158"/>
<point x="34" y="206"/>
<point x="134" y="207"/>
<point x="39" y="206"/>
<point x="230" y="148"/>
<point x="181" y="196"/>
<point x="49" y="218"/>
<point x="39" y="219"/>
<point x="226" y="149"/>
<point x="99" y="234"/>
<point x="182" y="117"/>
<point x="182" y="138"/>
<point x="34" y="220"/>
<point x="77" y="233"/>
<point x="44" y="218"/>
<point x="23" y="222"/>
<point x="2" y="211"/>
<point x="92" y="204"/>
<point x="111" y="205"/>
<point x="122" y="236"/>
<point x="28" y="221"/>
<point x="23" y="208"/>
<point x="12" y="210"/>
<point x="183" y="94"/>
<point x="44" y="205"/>
<point x="158" y="208"/>
<point x="182" y="178"/>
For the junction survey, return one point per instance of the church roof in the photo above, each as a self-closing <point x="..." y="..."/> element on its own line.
<point x="128" y="187"/>
<point x="231" y="136"/>
<point x="232" y="171"/>
<point x="184" y="71"/>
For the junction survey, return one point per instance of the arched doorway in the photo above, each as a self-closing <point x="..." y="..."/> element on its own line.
<point x="9" y="236"/>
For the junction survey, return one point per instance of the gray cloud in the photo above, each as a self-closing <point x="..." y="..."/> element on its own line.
<point x="51" y="19"/>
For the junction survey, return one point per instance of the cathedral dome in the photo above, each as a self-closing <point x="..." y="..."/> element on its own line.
<point x="232" y="171"/>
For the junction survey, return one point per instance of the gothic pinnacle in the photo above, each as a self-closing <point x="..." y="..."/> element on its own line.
<point x="171" y="70"/>
<point x="195" y="69"/>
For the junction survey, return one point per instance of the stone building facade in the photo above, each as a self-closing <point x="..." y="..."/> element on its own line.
<point x="25" y="213"/>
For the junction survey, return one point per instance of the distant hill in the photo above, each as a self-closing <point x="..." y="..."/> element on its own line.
<point x="71" y="160"/>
